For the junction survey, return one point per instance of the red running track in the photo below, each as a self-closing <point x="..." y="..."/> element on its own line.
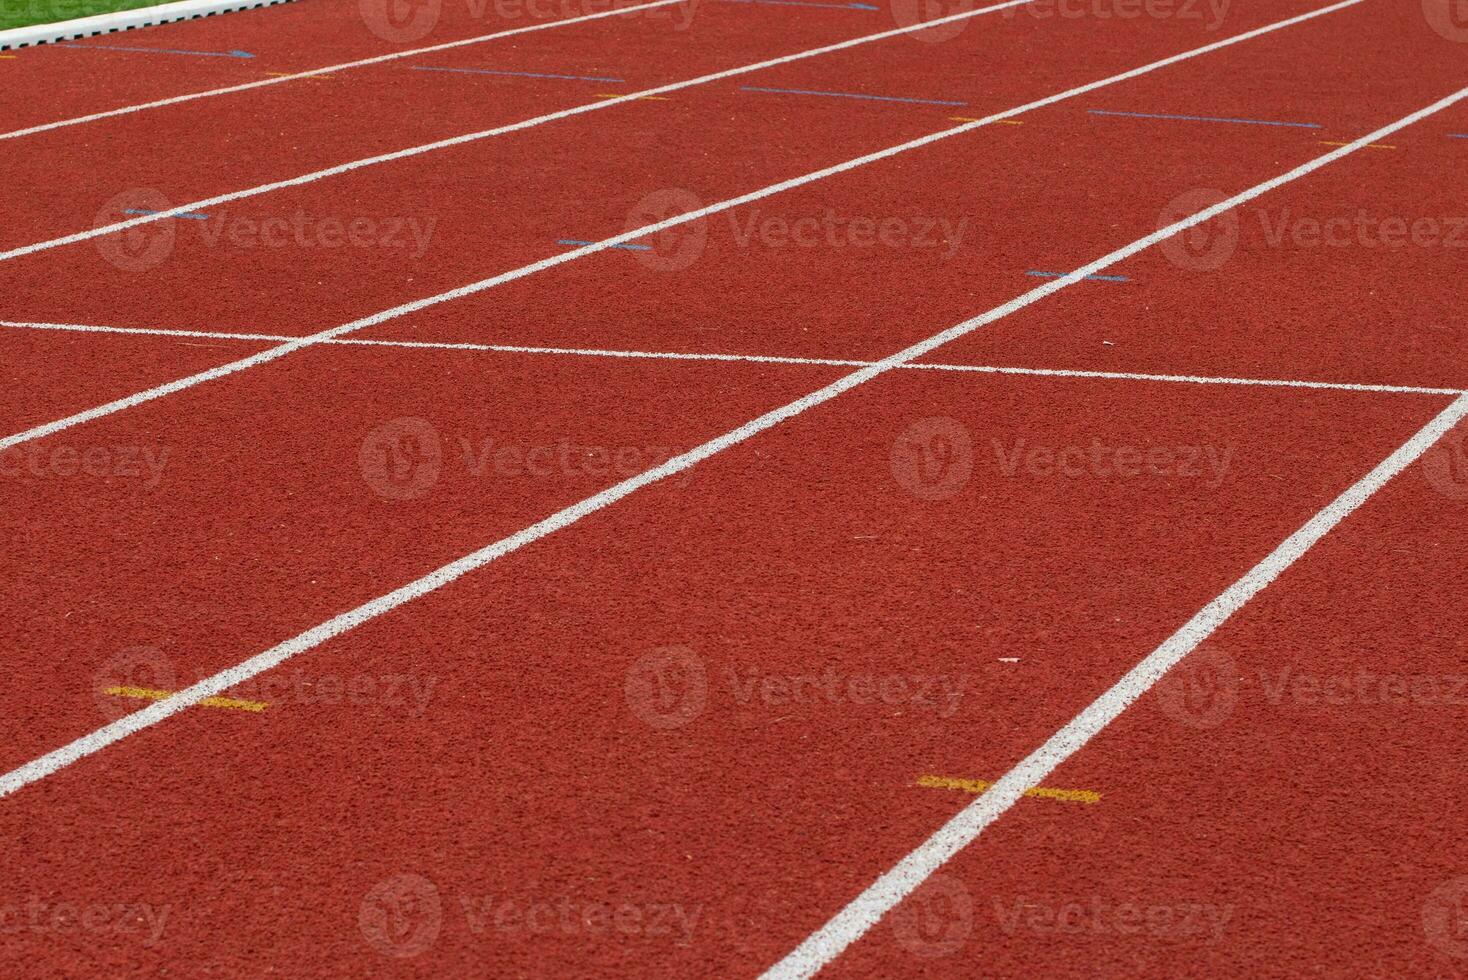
<point x="502" y="747"/>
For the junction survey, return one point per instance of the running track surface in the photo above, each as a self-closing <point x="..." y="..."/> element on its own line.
<point x="683" y="732"/>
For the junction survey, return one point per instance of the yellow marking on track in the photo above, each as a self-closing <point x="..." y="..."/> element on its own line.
<point x="640" y="98"/>
<point x="977" y="786"/>
<point x="149" y="694"/>
<point x="9" y="57"/>
<point x="1369" y="146"/>
<point x="997" y="122"/>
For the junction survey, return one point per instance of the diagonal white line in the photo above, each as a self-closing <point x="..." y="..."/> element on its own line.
<point x="379" y="59"/>
<point x="850" y="923"/>
<point x="824" y="945"/>
<point x="1052" y="285"/>
<point x="413" y="151"/>
<point x="754" y="359"/>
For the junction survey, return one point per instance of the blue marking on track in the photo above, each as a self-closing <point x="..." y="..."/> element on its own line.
<point x="1057" y="275"/>
<point x="847" y="95"/>
<point x="633" y="248"/>
<point x="1222" y="119"/>
<point x="519" y="74"/>
<point x="182" y="214"/>
<point x="200" y="54"/>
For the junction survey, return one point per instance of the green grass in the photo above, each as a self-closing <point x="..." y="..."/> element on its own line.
<point x="24" y="13"/>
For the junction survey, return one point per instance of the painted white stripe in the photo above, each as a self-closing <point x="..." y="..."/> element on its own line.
<point x="379" y="59"/>
<point x="871" y="905"/>
<point x="848" y="925"/>
<point x="753" y="359"/>
<point x="1052" y="285"/>
<point x="602" y="103"/>
<point x="124" y="20"/>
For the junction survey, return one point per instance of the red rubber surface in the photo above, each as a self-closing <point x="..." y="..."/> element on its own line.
<point x="497" y="747"/>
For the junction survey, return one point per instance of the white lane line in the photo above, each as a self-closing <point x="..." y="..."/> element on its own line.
<point x="246" y="86"/>
<point x="276" y="353"/>
<point x="205" y="203"/>
<point x="871" y="905"/>
<point x="857" y="918"/>
<point x="749" y="359"/>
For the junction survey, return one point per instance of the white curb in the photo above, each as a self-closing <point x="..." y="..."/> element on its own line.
<point x="125" y="20"/>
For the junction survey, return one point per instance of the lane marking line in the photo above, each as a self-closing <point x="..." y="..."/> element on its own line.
<point x="265" y="357"/>
<point x="980" y="786"/>
<point x="1458" y="136"/>
<point x="846" y="95"/>
<point x="120" y="21"/>
<point x="315" y="72"/>
<point x="1057" y="275"/>
<point x="638" y="98"/>
<point x="757" y="359"/>
<point x="517" y="74"/>
<point x="1373" y="146"/>
<point x="578" y="241"/>
<point x="1218" y="119"/>
<point x="118" y="47"/>
<point x="851" y="922"/>
<point x="286" y="74"/>
<point x="902" y="879"/>
<point x="149" y="694"/>
<point x="997" y="122"/>
<point x="413" y="151"/>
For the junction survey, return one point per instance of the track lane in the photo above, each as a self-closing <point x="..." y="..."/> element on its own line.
<point x="246" y="139"/>
<point x="288" y="38"/>
<point x="171" y="549"/>
<point x="1293" y="782"/>
<point x="786" y="145"/>
<point x="799" y="549"/>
